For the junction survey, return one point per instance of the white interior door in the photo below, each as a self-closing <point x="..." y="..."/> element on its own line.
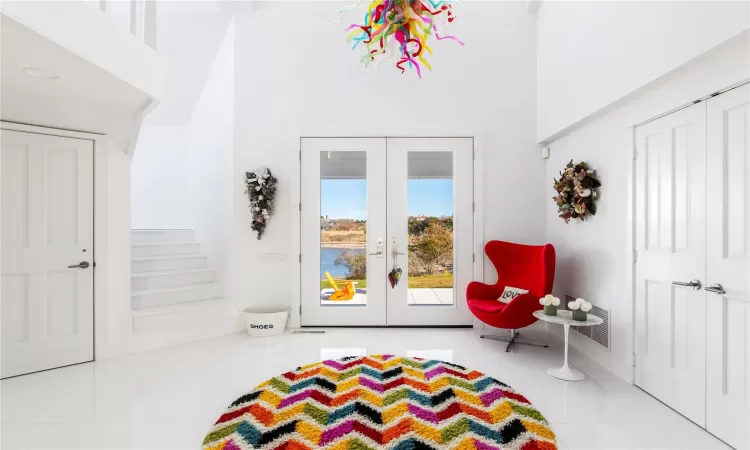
<point x="47" y="225"/>
<point x="728" y="374"/>
<point x="671" y="248"/>
<point x="343" y="219"/>
<point x="431" y="228"/>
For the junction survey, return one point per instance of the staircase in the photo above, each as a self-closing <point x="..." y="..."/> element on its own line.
<point x="168" y="269"/>
<point x="175" y="296"/>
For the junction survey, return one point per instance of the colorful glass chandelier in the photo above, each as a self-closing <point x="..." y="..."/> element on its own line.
<point x="402" y="28"/>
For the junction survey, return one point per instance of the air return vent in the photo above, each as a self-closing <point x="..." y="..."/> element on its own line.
<point x="597" y="333"/>
<point x="308" y="332"/>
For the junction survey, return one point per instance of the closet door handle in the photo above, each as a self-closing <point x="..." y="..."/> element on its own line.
<point x="716" y="288"/>
<point x="695" y="284"/>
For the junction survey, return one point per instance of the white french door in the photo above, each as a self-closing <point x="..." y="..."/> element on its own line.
<point x="728" y="299"/>
<point x="421" y="173"/>
<point x="343" y="196"/>
<point x="47" y="226"/>
<point x="693" y="256"/>
<point x="387" y="231"/>
<point x="671" y="248"/>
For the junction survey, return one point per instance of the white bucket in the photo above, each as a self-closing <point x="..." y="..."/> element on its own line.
<point x="265" y="322"/>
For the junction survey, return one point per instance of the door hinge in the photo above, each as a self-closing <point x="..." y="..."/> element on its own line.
<point x="635" y="256"/>
<point x="635" y="152"/>
<point x="473" y="206"/>
<point x="473" y="154"/>
<point x="473" y="257"/>
<point x="300" y="257"/>
<point x="633" y="359"/>
<point x="300" y="310"/>
<point x="299" y="206"/>
<point x="299" y="155"/>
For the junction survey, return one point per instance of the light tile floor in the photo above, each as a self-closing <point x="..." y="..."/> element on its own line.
<point x="168" y="399"/>
<point x="426" y="296"/>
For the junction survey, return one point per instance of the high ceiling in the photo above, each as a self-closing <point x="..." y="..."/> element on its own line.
<point x="188" y="38"/>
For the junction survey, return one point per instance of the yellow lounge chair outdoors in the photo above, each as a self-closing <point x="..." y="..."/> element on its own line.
<point x="341" y="294"/>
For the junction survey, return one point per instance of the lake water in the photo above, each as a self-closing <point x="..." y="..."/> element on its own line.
<point x="328" y="255"/>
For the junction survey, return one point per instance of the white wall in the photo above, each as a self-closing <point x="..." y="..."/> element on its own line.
<point x="113" y="256"/>
<point x="591" y="54"/>
<point x="296" y="76"/>
<point x="210" y="141"/>
<point x="160" y="179"/>
<point x="593" y="256"/>
<point x="86" y="31"/>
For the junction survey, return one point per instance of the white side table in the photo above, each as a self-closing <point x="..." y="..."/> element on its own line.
<point x="565" y="319"/>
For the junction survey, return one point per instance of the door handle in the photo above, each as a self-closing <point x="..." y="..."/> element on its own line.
<point x="80" y="265"/>
<point x="394" y="248"/>
<point x="716" y="288"/>
<point x="695" y="284"/>
<point x="379" y="248"/>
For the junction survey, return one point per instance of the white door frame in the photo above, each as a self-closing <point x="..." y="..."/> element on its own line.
<point x="630" y="241"/>
<point x="296" y="228"/>
<point x="100" y="253"/>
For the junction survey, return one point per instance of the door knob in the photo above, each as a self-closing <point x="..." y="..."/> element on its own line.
<point x="716" y="288"/>
<point x="80" y="265"/>
<point x="695" y="284"/>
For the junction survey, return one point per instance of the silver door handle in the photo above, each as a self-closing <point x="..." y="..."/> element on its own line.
<point x="80" y="265"/>
<point x="377" y="253"/>
<point x="695" y="284"/>
<point x="716" y="288"/>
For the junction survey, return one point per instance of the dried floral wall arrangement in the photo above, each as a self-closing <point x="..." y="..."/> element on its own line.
<point x="261" y="190"/>
<point x="576" y="192"/>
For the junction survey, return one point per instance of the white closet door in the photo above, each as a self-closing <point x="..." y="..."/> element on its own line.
<point x="671" y="248"/>
<point x="47" y="225"/>
<point x="728" y="343"/>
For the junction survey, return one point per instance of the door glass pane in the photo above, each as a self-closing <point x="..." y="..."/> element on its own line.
<point x="343" y="228"/>
<point x="430" y="228"/>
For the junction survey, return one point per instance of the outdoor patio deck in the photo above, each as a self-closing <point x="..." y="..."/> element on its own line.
<point x="419" y="296"/>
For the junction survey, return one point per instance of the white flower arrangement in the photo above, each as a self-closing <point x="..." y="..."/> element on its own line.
<point x="549" y="300"/>
<point x="581" y="304"/>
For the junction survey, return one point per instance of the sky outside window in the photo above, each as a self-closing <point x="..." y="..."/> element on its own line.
<point x="347" y="199"/>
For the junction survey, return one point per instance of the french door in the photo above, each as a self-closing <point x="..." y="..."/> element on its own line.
<point x="46" y="288"/>
<point x="386" y="231"/>
<point x="693" y="247"/>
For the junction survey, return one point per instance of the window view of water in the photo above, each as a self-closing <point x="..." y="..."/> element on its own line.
<point x="328" y="256"/>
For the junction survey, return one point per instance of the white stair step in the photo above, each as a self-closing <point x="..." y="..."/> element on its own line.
<point x="151" y="298"/>
<point x="159" y="236"/>
<point x="165" y="249"/>
<point x="185" y="322"/>
<point x="167" y="263"/>
<point x="171" y="279"/>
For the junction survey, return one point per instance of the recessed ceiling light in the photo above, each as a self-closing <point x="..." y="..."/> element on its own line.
<point x="39" y="73"/>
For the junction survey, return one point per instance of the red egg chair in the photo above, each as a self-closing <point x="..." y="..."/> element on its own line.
<point x="530" y="267"/>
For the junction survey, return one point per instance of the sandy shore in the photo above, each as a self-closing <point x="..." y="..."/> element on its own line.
<point x="343" y="244"/>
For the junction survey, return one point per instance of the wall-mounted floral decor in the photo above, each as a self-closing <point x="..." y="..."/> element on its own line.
<point x="576" y="192"/>
<point x="261" y="189"/>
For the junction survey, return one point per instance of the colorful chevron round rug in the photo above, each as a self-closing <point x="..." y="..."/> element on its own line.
<point x="381" y="401"/>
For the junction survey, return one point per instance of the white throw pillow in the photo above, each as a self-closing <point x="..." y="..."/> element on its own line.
<point x="510" y="293"/>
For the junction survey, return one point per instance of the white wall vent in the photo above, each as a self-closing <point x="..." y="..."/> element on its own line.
<point x="598" y="333"/>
